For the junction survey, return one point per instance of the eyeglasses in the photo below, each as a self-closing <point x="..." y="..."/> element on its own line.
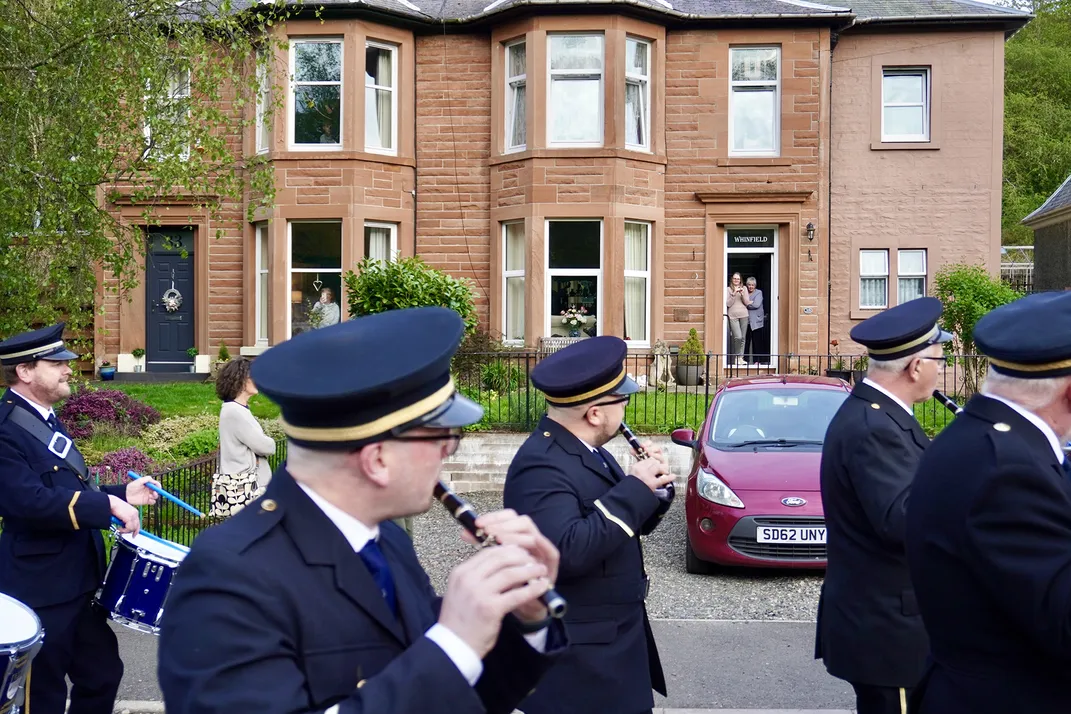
<point x="621" y="400"/>
<point x="450" y="439"/>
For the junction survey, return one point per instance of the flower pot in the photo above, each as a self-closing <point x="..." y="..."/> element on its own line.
<point x="137" y="368"/>
<point x="193" y="368"/>
<point x="107" y="373"/>
<point x="688" y="374"/>
<point x="844" y="374"/>
<point x="857" y="375"/>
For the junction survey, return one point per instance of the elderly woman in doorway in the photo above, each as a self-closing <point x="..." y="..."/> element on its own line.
<point x="243" y="446"/>
<point x="756" y="322"/>
<point x="737" y="300"/>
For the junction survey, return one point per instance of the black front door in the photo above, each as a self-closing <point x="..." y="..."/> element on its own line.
<point x="169" y="300"/>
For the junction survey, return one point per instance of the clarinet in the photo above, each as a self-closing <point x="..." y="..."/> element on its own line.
<point x="665" y="493"/>
<point x="463" y="514"/>
<point x="947" y="401"/>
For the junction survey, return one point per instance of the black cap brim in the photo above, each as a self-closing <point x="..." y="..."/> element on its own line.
<point x="628" y="386"/>
<point x="457" y="412"/>
<point x="64" y="355"/>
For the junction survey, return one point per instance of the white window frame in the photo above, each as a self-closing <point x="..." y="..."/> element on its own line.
<point x="576" y="73"/>
<point x="506" y="274"/>
<point x="644" y="81"/>
<point x="776" y="84"/>
<point x="262" y="246"/>
<point x="646" y="275"/>
<point x="513" y="83"/>
<point x="290" y="269"/>
<point x="863" y="276"/>
<point x="901" y="274"/>
<point x="393" y="49"/>
<point x="263" y="132"/>
<point x="392" y="250"/>
<point x="576" y="272"/>
<point x="926" y="94"/>
<point x="172" y="93"/>
<point x="291" y="99"/>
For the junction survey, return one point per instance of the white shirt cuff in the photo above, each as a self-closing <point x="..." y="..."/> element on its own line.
<point x="538" y="640"/>
<point x="464" y="657"/>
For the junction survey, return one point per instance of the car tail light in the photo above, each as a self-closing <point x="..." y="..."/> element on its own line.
<point x="713" y="489"/>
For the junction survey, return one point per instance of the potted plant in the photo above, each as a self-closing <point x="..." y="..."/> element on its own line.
<point x="859" y="367"/>
<point x="573" y="318"/>
<point x="222" y="358"/>
<point x="690" y="360"/>
<point x="192" y="352"/>
<point x="107" y="371"/>
<point x="138" y="354"/>
<point x="837" y="368"/>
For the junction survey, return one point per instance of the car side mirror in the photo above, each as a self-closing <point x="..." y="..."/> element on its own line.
<point x="684" y="437"/>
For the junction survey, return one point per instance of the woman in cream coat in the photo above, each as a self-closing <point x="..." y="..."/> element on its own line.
<point x="243" y="445"/>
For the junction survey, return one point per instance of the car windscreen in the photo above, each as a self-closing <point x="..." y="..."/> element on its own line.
<point x="777" y="416"/>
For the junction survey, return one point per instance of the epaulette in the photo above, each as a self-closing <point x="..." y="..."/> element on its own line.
<point x="6" y="405"/>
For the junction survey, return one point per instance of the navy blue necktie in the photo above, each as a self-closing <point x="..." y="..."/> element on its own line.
<point x="1066" y="466"/>
<point x="53" y="422"/>
<point x="377" y="565"/>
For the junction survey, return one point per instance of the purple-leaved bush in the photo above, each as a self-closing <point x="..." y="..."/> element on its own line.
<point x="113" y="467"/>
<point x="87" y="409"/>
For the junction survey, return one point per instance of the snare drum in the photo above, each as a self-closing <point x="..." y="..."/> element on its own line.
<point x="20" y="639"/>
<point x="138" y="579"/>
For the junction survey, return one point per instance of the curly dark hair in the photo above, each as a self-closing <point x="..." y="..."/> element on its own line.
<point x="232" y="377"/>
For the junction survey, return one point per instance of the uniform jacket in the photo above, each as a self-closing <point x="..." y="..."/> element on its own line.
<point x="989" y="543"/>
<point x="51" y="549"/>
<point x="869" y="629"/>
<point x="273" y="612"/>
<point x="594" y="514"/>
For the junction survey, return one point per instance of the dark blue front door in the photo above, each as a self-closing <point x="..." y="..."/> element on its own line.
<point x="169" y="300"/>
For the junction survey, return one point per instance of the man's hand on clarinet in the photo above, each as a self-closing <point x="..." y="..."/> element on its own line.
<point x="653" y="471"/>
<point x="509" y="528"/>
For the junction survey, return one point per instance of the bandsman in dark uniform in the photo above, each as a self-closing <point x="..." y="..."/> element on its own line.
<point x="869" y="631"/>
<point x="989" y="526"/>
<point x="51" y="548"/>
<point x="311" y="599"/>
<point x="594" y="513"/>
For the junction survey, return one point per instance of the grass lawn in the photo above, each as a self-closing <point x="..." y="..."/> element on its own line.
<point x="188" y="398"/>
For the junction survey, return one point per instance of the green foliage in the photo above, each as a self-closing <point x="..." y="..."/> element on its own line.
<point x="192" y="352"/>
<point x="79" y="82"/>
<point x="1037" y="115"/>
<point x="967" y="292"/>
<point x="138" y="353"/>
<point x="501" y="376"/>
<point x="378" y="286"/>
<point x="691" y="350"/>
<point x="223" y="355"/>
<point x="197" y="444"/>
<point x="169" y="433"/>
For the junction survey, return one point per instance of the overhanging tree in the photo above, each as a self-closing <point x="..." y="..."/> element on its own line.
<point x="142" y="97"/>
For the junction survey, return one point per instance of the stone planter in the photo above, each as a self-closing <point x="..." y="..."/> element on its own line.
<point x="845" y="374"/>
<point x="857" y="375"/>
<point x="688" y="374"/>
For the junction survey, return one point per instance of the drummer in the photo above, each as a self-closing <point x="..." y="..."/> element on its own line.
<point x="51" y="549"/>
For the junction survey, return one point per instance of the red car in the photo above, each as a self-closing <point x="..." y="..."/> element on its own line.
<point x="753" y="497"/>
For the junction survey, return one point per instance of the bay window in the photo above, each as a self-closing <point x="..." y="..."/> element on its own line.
<point x="575" y="115"/>
<point x="513" y="254"/>
<point x="315" y="274"/>
<point x="381" y="98"/>
<point x="574" y="276"/>
<point x="637" y="94"/>
<point x="637" y="282"/>
<point x="516" y="90"/>
<point x="261" y="292"/>
<point x="381" y="241"/>
<point x="316" y="93"/>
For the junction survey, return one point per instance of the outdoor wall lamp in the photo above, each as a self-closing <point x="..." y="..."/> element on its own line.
<point x="810" y="231"/>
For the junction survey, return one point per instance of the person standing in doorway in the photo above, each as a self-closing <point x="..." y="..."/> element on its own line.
<point x="736" y="301"/>
<point x="756" y="322"/>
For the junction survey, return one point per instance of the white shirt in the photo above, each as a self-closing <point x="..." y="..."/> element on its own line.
<point x="890" y="395"/>
<point x="464" y="657"/>
<point x="1034" y="419"/>
<point x="45" y="412"/>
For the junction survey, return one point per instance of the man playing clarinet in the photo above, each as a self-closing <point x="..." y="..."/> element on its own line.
<point x="594" y="513"/>
<point x="311" y="599"/>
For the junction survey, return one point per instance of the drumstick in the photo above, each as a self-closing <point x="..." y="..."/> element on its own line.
<point x="150" y="536"/>
<point x="168" y="496"/>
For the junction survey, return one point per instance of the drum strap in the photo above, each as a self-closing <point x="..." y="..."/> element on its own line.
<point x="59" y="444"/>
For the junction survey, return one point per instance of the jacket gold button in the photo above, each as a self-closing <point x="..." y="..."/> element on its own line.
<point x="361" y="683"/>
<point x="269" y="505"/>
<point x="875" y="406"/>
<point x="546" y="433"/>
<point x="55" y="468"/>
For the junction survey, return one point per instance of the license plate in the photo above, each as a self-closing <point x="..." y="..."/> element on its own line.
<point x="771" y="534"/>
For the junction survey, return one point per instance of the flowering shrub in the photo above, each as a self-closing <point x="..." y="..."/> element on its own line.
<point x="87" y="409"/>
<point x="169" y="433"/>
<point x="272" y="427"/>
<point x="574" y="317"/>
<point x="113" y="467"/>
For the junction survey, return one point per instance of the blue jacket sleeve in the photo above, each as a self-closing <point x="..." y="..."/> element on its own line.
<point x="585" y="534"/>
<point x="24" y="495"/>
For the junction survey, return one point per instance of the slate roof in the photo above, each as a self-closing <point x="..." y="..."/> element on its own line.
<point x="1058" y="201"/>
<point x="840" y="12"/>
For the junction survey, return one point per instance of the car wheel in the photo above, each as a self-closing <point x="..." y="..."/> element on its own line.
<point x="693" y="564"/>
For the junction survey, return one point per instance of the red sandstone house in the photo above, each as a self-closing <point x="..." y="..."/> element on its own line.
<point x="625" y="156"/>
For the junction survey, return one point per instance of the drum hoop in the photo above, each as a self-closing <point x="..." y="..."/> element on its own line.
<point x="142" y="552"/>
<point x="19" y="646"/>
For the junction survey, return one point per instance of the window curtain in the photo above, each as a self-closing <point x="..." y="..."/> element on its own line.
<point x="635" y="286"/>
<point x="377" y="244"/>
<point x="384" y="77"/>
<point x="519" y="129"/>
<point x="872" y="292"/>
<point x="634" y="114"/>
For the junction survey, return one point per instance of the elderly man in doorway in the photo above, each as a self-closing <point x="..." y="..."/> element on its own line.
<point x="756" y="322"/>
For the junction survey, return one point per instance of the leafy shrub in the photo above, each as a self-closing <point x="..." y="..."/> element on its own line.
<point x="501" y="376"/>
<point x="113" y="466"/>
<point x="691" y="350"/>
<point x="378" y="286"/>
<point x="167" y="434"/>
<point x="473" y="354"/>
<point x="88" y="408"/>
<point x="273" y="428"/>
<point x="198" y="444"/>
<point x="224" y="354"/>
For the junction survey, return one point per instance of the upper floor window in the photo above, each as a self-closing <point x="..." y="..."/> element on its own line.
<point x="170" y="111"/>
<point x="381" y="99"/>
<point x="755" y="101"/>
<point x="873" y="279"/>
<point x="575" y="116"/>
<point x="911" y="275"/>
<point x="516" y="86"/>
<point x="263" y="120"/>
<point x="316" y="101"/>
<point x="905" y="99"/>
<point x="637" y="94"/>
